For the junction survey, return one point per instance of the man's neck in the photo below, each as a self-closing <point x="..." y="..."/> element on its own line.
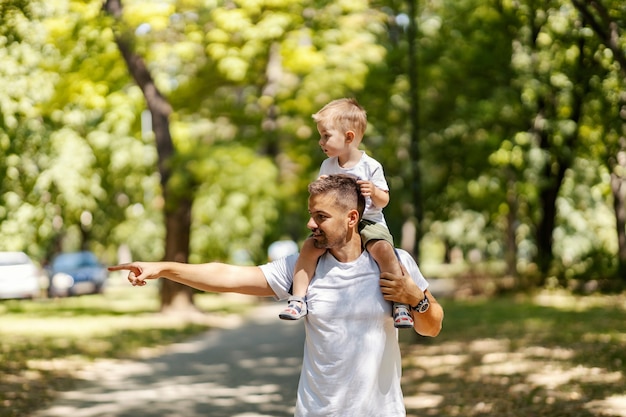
<point x="350" y="251"/>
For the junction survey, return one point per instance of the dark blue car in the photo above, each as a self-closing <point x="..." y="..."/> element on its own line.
<point x="76" y="273"/>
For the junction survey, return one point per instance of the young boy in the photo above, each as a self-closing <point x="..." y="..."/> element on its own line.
<point x="341" y="124"/>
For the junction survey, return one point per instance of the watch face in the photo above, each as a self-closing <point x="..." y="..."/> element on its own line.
<point x="422" y="307"/>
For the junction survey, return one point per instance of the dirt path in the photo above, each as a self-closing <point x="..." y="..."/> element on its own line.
<point x="248" y="371"/>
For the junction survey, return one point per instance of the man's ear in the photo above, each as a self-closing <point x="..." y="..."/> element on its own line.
<point x="353" y="218"/>
<point x="349" y="136"/>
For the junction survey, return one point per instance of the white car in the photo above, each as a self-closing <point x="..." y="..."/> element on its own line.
<point x="19" y="276"/>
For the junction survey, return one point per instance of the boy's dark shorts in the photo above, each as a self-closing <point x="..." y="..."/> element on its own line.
<point x="370" y="230"/>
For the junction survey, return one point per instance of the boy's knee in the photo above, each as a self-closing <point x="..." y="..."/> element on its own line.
<point x="384" y="254"/>
<point x="379" y="246"/>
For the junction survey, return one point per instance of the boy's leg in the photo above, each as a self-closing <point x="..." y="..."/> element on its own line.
<point x="303" y="273"/>
<point x="305" y="267"/>
<point x="385" y="256"/>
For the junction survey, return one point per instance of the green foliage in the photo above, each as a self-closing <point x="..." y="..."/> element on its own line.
<point x="59" y="161"/>
<point x="235" y="204"/>
<point x="25" y="85"/>
<point x="515" y="98"/>
<point x="505" y="95"/>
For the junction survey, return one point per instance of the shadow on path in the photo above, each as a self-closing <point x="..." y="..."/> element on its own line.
<point x="248" y="371"/>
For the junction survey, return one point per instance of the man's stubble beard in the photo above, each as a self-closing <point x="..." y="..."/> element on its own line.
<point x="326" y="243"/>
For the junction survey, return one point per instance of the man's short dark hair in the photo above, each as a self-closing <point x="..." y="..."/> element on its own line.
<point x="345" y="188"/>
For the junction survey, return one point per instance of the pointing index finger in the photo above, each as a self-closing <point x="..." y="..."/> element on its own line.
<point x="127" y="267"/>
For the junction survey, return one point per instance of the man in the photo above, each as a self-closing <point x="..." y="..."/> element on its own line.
<point x="351" y="365"/>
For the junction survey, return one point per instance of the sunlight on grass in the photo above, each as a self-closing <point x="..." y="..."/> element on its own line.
<point x="615" y="406"/>
<point x="44" y="342"/>
<point x="120" y="308"/>
<point x="564" y="300"/>
<point x="522" y="355"/>
<point x="551" y="354"/>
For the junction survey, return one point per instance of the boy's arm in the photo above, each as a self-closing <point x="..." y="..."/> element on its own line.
<point x="380" y="198"/>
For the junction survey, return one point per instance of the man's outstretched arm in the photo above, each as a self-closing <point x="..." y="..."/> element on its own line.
<point x="210" y="277"/>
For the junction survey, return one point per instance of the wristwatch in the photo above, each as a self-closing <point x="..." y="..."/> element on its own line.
<point x="422" y="306"/>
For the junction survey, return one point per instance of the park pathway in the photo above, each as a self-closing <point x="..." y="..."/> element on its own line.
<point x="248" y="371"/>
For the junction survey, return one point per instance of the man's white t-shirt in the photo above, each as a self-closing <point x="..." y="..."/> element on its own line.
<point x="351" y="365"/>
<point x="367" y="169"/>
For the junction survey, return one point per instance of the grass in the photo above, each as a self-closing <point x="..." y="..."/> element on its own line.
<point x="552" y="354"/>
<point x="43" y="342"/>
<point x="549" y="355"/>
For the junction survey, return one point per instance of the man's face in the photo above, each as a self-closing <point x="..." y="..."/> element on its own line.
<point x="328" y="222"/>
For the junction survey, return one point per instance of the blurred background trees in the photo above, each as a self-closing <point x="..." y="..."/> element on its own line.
<point x="500" y="124"/>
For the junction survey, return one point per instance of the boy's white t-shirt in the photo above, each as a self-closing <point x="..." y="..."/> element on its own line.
<point x="351" y="364"/>
<point x="367" y="169"/>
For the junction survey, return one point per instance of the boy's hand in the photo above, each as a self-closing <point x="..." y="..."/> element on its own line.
<point x="379" y="197"/>
<point x="368" y="189"/>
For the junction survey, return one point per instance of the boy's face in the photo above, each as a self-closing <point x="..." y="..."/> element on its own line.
<point x="333" y="141"/>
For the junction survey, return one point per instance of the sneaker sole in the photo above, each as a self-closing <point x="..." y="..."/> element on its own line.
<point x="287" y="317"/>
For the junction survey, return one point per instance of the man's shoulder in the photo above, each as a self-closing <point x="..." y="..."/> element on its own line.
<point x="405" y="257"/>
<point x="402" y="252"/>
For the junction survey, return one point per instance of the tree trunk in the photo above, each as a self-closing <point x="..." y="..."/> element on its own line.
<point x="174" y="297"/>
<point x="511" y="228"/>
<point x="618" y="189"/>
<point x="416" y="180"/>
<point x="273" y="75"/>
<point x="561" y="160"/>
<point x="607" y="29"/>
<point x="545" y="229"/>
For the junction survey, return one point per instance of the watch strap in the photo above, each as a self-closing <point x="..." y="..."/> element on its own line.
<point x="422" y="306"/>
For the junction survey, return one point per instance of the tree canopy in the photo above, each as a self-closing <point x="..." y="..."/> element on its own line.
<point x="518" y="142"/>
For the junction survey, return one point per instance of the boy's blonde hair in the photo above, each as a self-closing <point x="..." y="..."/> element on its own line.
<point x="345" y="114"/>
